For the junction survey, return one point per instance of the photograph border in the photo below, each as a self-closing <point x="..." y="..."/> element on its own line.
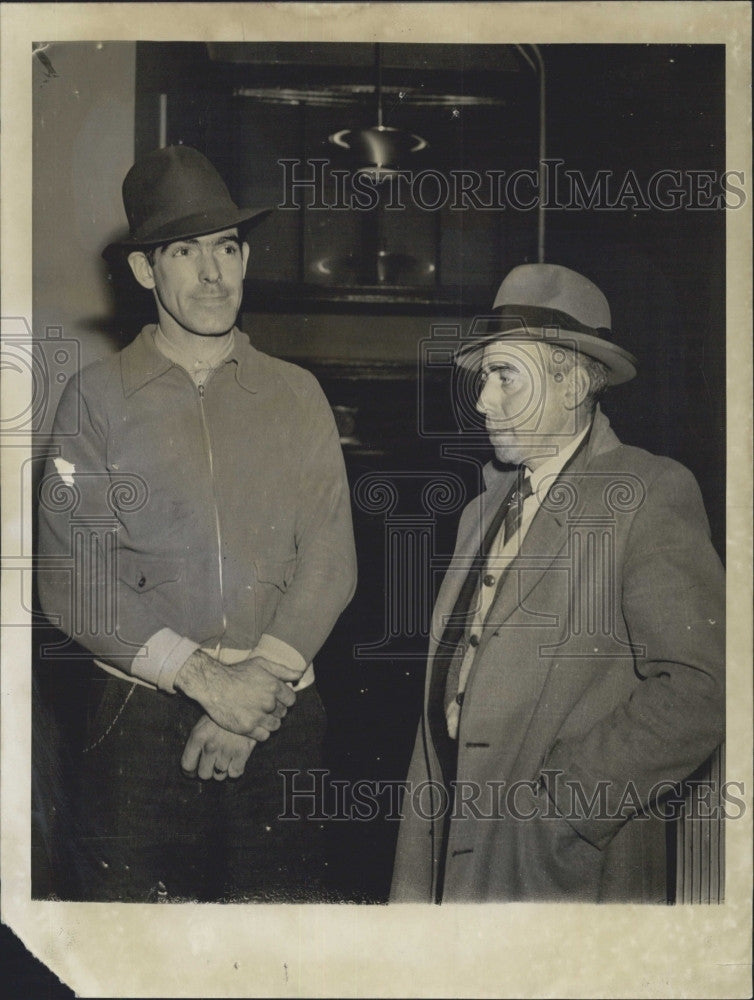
<point x="475" y="950"/>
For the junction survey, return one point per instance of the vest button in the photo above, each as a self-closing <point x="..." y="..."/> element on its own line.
<point x="142" y="581"/>
<point x="459" y="698"/>
<point x="474" y="640"/>
<point x="489" y="580"/>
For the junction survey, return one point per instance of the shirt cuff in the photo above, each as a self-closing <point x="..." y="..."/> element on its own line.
<point x="278" y="651"/>
<point x="161" y="657"/>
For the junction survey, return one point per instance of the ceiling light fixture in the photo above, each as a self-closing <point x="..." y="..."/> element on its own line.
<point x="379" y="151"/>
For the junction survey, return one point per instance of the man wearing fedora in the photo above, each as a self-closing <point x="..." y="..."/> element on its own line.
<point x="196" y="534"/>
<point x="576" y="658"/>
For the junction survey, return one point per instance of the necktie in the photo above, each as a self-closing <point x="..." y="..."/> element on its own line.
<point x="515" y="508"/>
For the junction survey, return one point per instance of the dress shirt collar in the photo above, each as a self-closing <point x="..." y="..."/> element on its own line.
<point x="545" y="475"/>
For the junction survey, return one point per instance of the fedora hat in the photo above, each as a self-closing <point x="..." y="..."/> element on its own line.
<point x="175" y="193"/>
<point x="551" y="303"/>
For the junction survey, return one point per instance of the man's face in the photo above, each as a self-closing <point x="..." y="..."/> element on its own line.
<point x="527" y="410"/>
<point x="197" y="283"/>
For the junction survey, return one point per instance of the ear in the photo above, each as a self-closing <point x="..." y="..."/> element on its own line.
<point x="141" y="268"/>
<point x="245" y="255"/>
<point x="576" y="387"/>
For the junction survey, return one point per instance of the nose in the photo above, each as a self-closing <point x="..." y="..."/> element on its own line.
<point x="208" y="268"/>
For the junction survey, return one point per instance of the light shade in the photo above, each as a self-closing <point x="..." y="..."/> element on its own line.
<point x="380" y="150"/>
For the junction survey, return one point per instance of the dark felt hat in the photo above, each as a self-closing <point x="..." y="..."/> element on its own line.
<point x="549" y="302"/>
<point x="175" y="193"/>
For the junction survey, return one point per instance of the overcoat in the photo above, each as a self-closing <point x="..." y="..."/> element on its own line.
<point x="597" y="686"/>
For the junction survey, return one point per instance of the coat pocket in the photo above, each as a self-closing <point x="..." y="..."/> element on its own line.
<point x="159" y="583"/>
<point x="143" y="573"/>
<point x="551" y="861"/>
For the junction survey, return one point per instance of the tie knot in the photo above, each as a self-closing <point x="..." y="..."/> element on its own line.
<point x="522" y="491"/>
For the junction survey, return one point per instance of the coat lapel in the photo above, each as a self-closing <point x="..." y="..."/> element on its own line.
<point x="547" y="537"/>
<point x="544" y="542"/>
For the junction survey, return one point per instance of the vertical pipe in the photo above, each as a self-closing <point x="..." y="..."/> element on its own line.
<point x="163" y="121"/>
<point x="542" y="155"/>
<point x="378" y="78"/>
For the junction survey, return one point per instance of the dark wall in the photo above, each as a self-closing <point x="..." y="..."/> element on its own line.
<point x="647" y="109"/>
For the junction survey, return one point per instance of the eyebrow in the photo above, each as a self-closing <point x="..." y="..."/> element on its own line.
<point x="193" y="241"/>
<point x="498" y="366"/>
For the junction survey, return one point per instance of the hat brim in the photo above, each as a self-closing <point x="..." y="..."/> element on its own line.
<point x="620" y="364"/>
<point x="199" y="224"/>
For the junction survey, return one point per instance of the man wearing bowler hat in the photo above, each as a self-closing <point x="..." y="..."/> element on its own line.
<point x="576" y="658"/>
<point x="196" y="534"/>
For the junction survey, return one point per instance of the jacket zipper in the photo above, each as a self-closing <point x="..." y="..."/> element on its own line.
<point x="208" y="443"/>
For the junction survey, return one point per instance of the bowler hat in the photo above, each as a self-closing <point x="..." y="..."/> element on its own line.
<point x="175" y="193"/>
<point x="551" y="303"/>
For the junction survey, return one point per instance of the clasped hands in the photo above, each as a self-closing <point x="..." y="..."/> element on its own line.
<point x="244" y="702"/>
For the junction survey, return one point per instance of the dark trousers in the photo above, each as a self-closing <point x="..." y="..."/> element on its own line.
<point x="144" y="831"/>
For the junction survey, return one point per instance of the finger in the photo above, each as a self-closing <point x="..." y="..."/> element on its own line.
<point x="267" y="703"/>
<point x="206" y="764"/>
<point x="190" y="757"/>
<point x="221" y="766"/>
<point x="285" y="695"/>
<point x="280" y="710"/>
<point x="237" y="763"/>
<point x="280" y="670"/>
<point x="269" y="722"/>
<point x="260" y="734"/>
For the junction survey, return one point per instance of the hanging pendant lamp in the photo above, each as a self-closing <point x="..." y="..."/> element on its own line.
<point x="380" y="151"/>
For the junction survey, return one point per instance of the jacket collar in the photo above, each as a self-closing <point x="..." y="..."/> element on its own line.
<point x="141" y="362"/>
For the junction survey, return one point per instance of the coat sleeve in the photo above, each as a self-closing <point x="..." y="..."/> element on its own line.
<point x="325" y="577"/>
<point x="79" y="500"/>
<point x="673" y="603"/>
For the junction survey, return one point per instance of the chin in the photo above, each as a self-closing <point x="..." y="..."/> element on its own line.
<point x="216" y="328"/>
<point x="214" y="321"/>
<point x="508" y="454"/>
<point x="214" y="332"/>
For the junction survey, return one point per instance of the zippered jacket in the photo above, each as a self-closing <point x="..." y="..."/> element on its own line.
<point x="220" y="512"/>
